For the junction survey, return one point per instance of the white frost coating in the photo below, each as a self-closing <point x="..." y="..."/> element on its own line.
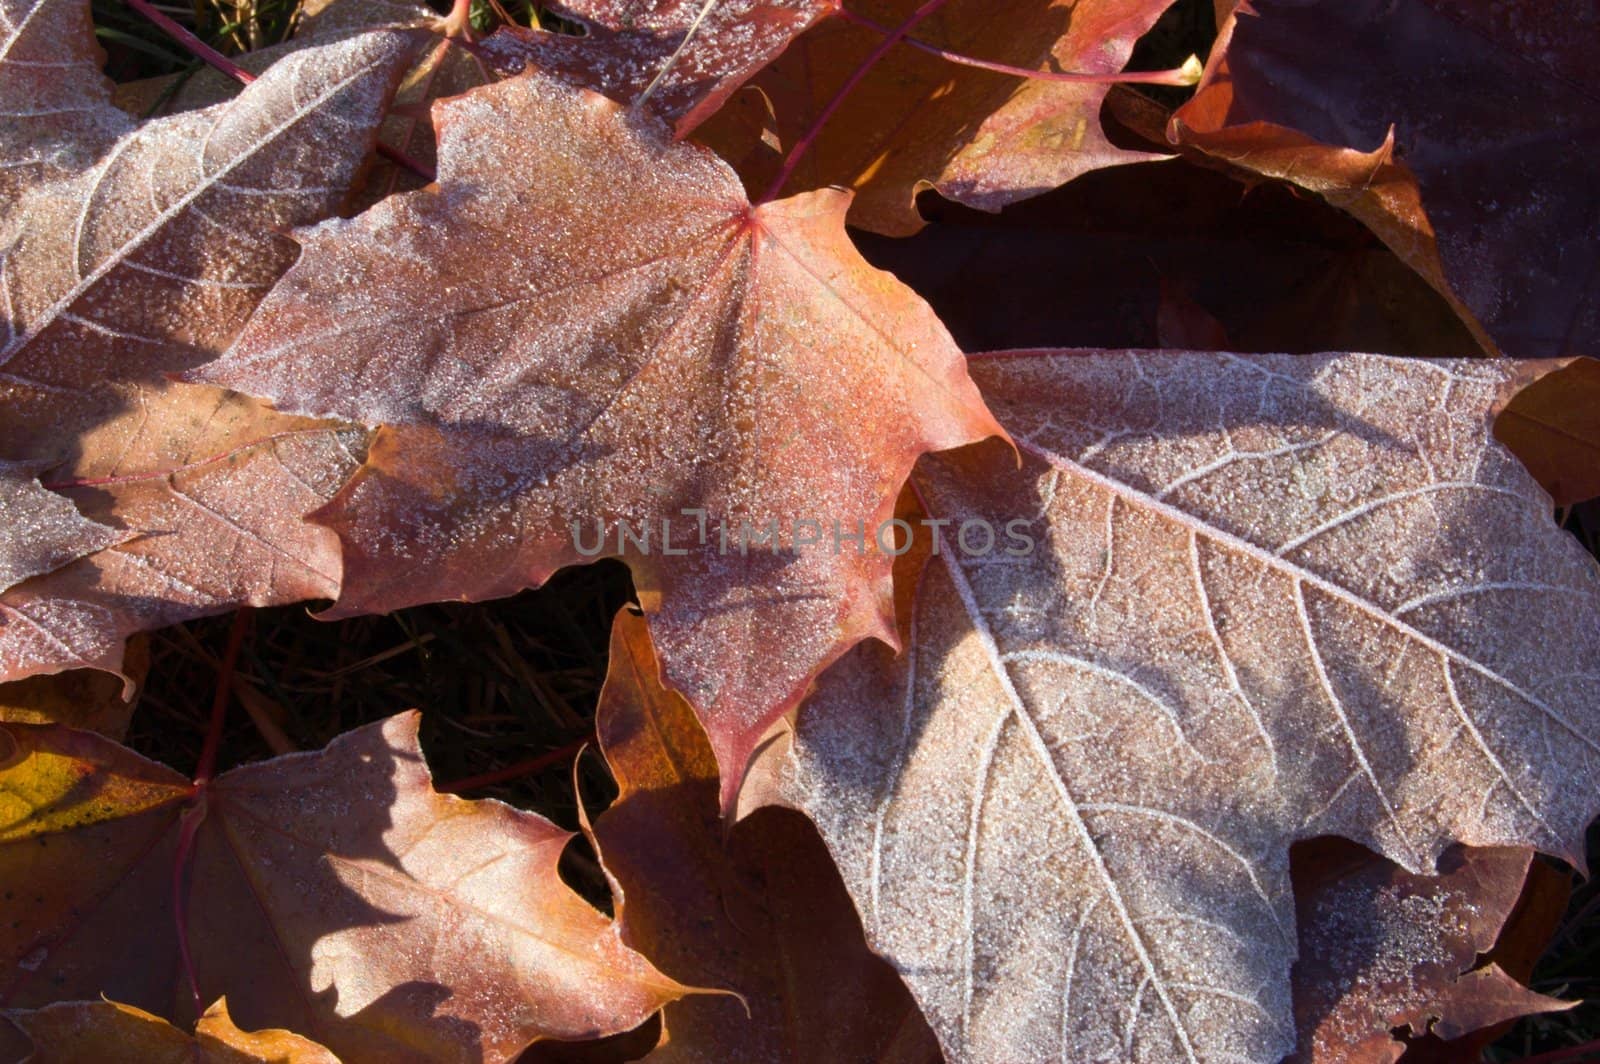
<point x="129" y="251"/>
<point x="1332" y="604"/>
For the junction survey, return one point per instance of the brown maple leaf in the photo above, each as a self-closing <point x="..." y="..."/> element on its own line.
<point x="141" y="265"/>
<point x="585" y="333"/>
<point x="1452" y="137"/>
<point x="1553" y="425"/>
<point x="76" y="1031"/>
<point x="717" y="908"/>
<point x="918" y="121"/>
<point x="334" y="894"/>
<point x="1383" y="950"/>
<point x="1266" y="599"/>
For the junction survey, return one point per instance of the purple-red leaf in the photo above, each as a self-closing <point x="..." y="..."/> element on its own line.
<point x="586" y="342"/>
<point x="1384" y="952"/>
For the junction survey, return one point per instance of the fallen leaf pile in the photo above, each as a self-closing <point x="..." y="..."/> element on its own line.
<point x="1029" y="660"/>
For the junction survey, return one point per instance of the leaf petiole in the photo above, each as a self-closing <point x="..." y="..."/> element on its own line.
<point x="219" y="702"/>
<point x="188" y="827"/>
<point x="194" y="812"/>
<point x="457" y="25"/>
<point x="194" y="45"/>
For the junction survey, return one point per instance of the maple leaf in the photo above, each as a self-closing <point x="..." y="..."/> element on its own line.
<point x="105" y="1030"/>
<point x="715" y="908"/>
<point x="126" y="272"/>
<point x="1270" y="598"/>
<point x="587" y="331"/>
<point x="1452" y="138"/>
<point x="334" y="894"/>
<point x="918" y="121"/>
<point x="685" y="57"/>
<point x="1382" y="950"/>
